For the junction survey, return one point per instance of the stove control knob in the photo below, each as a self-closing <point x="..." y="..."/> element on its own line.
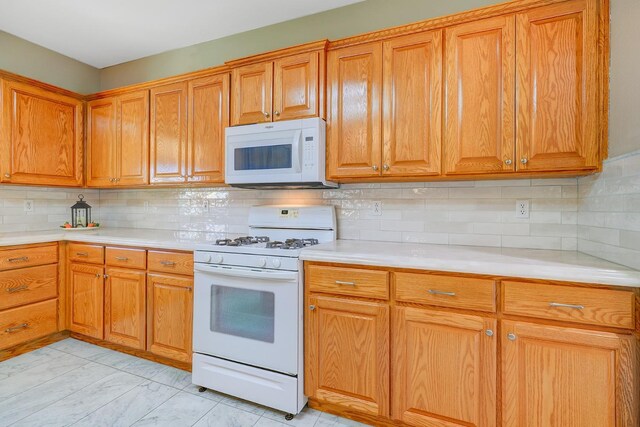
<point x="217" y="258"/>
<point x="262" y="262"/>
<point x="275" y="262"/>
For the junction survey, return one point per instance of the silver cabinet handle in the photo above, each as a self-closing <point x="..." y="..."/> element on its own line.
<point x="17" y="289"/>
<point x="374" y="167"/>
<point x="83" y="254"/>
<point x="489" y="332"/>
<point x="277" y="113"/>
<point x="22" y="258"/>
<point x="558" y="304"/>
<point x="524" y="161"/>
<point x="511" y="336"/>
<point x="7" y="175"/>
<point x="266" y="115"/>
<point x="312" y="307"/>
<point x="508" y="162"/>
<point x="385" y="167"/>
<point x="17" y="328"/>
<point x="106" y="276"/>
<point x="437" y="292"/>
<point x="122" y="258"/>
<point x="97" y="275"/>
<point x="340" y="282"/>
<point x="169" y="263"/>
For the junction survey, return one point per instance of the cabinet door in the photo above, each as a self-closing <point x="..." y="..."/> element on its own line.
<point x="208" y="118"/>
<point x="170" y="316"/>
<point x="296" y="86"/>
<point x="557" y="72"/>
<point x="354" y="79"/>
<point x="479" y="125"/>
<point x="444" y="368"/>
<point x="87" y="299"/>
<point x="412" y="105"/>
<point x="251" y="96"/>
<point x="133" y="139"/>
<point x="555" y="376"/>
<point x="124" y="308"/>
<point x="101" y="142"/>
<point x="168" y="134"/>
<point x="347" y="353"/>
<point x="42" y="137"/>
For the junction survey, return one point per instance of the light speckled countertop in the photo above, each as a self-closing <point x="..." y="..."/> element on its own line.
<point x="525" y="263"/>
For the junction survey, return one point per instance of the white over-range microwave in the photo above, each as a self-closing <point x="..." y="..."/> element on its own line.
<point x="286" y="154"/>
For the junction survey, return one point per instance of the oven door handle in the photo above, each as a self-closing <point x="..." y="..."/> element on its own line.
<point x="246" y="273"/>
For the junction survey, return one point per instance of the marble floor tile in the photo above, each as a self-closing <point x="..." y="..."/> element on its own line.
<point x="173" y="377"/>
<point x="81" y="403"/>
<point x="27" y="360"/>
<point x="209" y="394"/>
<point x="245" y="405"/>
<point x="134" y="365"/>
<point x="226" y="416"/>
<point x="183" y="409"/>
<point x="79" y="348"/>
<point x="330" y="420"/>
<point x="267" y="422"/>
<point x="129" y="407"/>
<point x="26" y="403"/>
<point x="39" y="373"/>
<point x="306" y="418"/>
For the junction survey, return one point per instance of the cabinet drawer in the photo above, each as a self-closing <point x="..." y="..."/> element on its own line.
<point x="348" y="281"/>
<point x="446" y="291"/>
<point x="125" y="257"/>
<point x="81" y="252"/>
<point x="171" y="262"/>
<point x="595" y="306"/>
<point x="28" y="257"/>
<point x="27" y="285"/>
<point x="23" y="324"/>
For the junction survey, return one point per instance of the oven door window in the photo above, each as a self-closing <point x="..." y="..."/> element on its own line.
<point x="265" y="157"/>
<point x="243" y="313"/>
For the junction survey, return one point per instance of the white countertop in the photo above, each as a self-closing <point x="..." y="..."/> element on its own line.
<point x="525" y="263"/>
<point x="160" y="239"/>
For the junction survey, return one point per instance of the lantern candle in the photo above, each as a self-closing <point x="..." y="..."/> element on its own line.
<point x="80" y="213"/>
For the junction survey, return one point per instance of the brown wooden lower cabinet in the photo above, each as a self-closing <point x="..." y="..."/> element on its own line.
<point x="170" y="316"/>
<point x="559" y="376"/>
<point x="124" y="307"/>
<point x="86" y="289"/>
<point x="347" y="360"/>
<point x="444" y="368"/>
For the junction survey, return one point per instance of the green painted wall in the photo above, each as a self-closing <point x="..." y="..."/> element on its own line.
<point x="30" y="60"/>
<point x="346" y="21"/>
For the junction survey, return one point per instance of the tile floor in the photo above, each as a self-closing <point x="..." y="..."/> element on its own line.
<point x="75" y="383"/>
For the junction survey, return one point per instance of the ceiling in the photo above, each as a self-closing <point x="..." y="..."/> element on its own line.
<point x="102" y="33"/>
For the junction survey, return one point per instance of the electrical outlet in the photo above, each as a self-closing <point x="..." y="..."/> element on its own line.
<point x="205" y="205"/>
<point x="522" y="209"/>
<point x="28" y="205"/>
<point x="376" y="208"/>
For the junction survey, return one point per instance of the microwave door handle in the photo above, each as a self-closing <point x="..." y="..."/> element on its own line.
<point x="249" y="274"/>
<point x="297" y="151"/>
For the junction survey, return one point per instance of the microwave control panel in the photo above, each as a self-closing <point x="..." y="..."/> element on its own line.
<point x="309" y="149"/>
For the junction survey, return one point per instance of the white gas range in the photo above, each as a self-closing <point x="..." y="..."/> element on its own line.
<point x="248" y="319"/>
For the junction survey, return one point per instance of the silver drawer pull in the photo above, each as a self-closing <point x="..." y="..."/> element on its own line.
<point x="82" y="253"/>
<point x="22" y="258"/>
<point x="18" y="289"/>
<point x="437" y="292"/>
<point x="122" y="258"/>
<point x="170" y="263"/>
<point x="17" y="328"/>
<point x="340" y="282"/>
<point x="558" y="304"/>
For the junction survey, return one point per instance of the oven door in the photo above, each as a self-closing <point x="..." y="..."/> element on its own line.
<point x="272" y="156"/>
<point x="247" y="315"/>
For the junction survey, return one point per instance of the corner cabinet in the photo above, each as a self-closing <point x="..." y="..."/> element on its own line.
<point x="118" y="140"/>
<point x="385" y="108"/>
<point x="290" y="85"/>
<point x="86" y="291"/>
<point x="42" y="136"/>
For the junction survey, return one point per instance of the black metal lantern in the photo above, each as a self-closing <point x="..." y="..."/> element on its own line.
<point x="80" y="213"/>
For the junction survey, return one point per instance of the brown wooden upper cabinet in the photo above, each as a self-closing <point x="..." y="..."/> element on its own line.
<point x="385" y="108"/>
<point x="118" y="140"/>
<point x="187" y="130"/>
<point x="42" y="136"/>
<point x="521" y="92"/>
<point x="287" y="87"/>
